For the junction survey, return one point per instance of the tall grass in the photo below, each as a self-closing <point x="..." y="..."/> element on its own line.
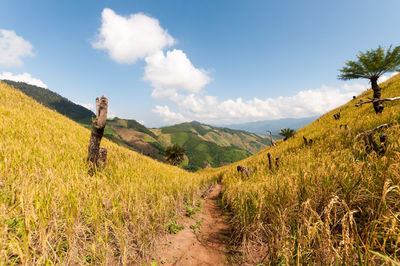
<point x="329" y="203"/>
<point x="52" y="211"/>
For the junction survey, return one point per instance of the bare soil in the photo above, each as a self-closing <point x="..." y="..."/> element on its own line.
<point x="207" y="244"/>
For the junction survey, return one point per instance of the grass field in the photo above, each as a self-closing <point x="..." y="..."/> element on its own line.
<point x="329" y="203"/>
<point x="52" y="211"/>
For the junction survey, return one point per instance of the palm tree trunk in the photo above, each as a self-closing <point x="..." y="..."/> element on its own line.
<point x="378" y="106"/>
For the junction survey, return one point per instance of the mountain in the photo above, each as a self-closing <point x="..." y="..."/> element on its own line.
<point x="204" y="144"/>
<point x="53" y="212"/>
<point x="332" y="201"/>
<point x="274" y="126"/>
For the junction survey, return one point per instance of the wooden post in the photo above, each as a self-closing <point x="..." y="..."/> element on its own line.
<point x="272" y="139"/>
<point x="277" y="163"/>
<point x="269" y="161"/>
<point x="95" y="153"/>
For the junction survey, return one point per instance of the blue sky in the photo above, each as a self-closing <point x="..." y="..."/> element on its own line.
<point x="218" y="62"/>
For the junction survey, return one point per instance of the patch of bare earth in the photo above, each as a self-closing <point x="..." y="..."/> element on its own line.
<point x="203" y="241"/>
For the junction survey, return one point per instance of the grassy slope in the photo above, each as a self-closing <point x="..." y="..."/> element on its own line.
<point x="65" y="107"/>
<point x="55" y="101"/>
<point x="51" y="211"/>
<point x="329" y="203"/>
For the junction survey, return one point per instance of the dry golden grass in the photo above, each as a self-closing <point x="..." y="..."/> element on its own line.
<point x="331" y="203"/>
<point x="52" y="211"/>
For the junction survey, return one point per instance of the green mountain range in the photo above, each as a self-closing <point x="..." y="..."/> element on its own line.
<point x="204" y="145"/>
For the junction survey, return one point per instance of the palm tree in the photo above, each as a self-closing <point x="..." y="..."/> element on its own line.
<point x="175" y="154"/>
<point x="287" y="133"/>
<point x="371" y="65"/>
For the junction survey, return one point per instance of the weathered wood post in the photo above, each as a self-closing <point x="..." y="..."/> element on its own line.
<point x="305" y="140"/>
<point x="277" y="163"/>
<point x="269" y="161"/>
<point x="272" y="139"/>
<point x="96" y="155"/>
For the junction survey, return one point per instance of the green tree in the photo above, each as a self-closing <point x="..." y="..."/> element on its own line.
<point x="371" y="65"/>
<point x="175" y="154"/>
<point x="287" y="133"/>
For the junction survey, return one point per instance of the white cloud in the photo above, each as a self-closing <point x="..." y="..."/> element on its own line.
<point x="171" y="72"/>
<point x="13" y="48"/>
<point x="305" y="103"/>
<point x="128" y="39"/>
<point x="89" y="106"/>
<point x="110" y="112"/>
<point x="24" y="77"/>
<point x="168" y="115"/>
<point x="383" y="78"/>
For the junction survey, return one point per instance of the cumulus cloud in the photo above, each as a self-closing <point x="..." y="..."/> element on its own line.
<point x="304" y="104"/>
<point x="128" y="39"/>
<point x="89" y="106"/>
<point x="383" y="78"/>
<point x="13" y="48"/>
<point x="24" y="77"/>
<point x="169" y="116"/>
<point x="171" y="72"/>
<point x="110" y="112"/>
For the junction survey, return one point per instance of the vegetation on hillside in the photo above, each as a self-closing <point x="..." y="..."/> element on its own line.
<point x="334" y="201"/>
<point x="216" y="145"/>
<point x="53" y="212"/>
<point x="204" y="143"/>
<point x="55" y="101"/>
<point x="65" y="107"/>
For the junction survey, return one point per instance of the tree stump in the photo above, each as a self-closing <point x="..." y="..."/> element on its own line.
<point x="243" y="170"/>
<point x="97" y="156"/>
<point x="269" y="161"/>
<point x="277" y="163"/>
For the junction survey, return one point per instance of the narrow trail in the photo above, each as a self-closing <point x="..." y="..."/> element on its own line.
<point x="208" y="246"/>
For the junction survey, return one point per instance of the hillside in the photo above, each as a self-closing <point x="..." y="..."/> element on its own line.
<point x="53" y="212"/>
<point x="215" y="145"/>
<point x="55" y="101"/>
<point x="203" y="143"/>
<point x="330" y="202"/>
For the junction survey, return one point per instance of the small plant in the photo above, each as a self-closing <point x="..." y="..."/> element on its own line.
<point x="191" y="210"/>
<point x="198" y="203"/>
<point x="16" y="225"/>
<point x="173" y="228"/>
<point x="197" y="226"/>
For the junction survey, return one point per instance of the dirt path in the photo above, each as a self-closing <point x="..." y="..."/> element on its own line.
<point x="208" y="246"/>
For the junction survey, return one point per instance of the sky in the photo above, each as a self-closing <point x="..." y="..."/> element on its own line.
<point x="216" y="62"/>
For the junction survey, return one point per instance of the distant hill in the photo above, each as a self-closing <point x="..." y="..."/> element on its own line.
<point x="274" y="126"/>
<point x="203" y="143"/>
